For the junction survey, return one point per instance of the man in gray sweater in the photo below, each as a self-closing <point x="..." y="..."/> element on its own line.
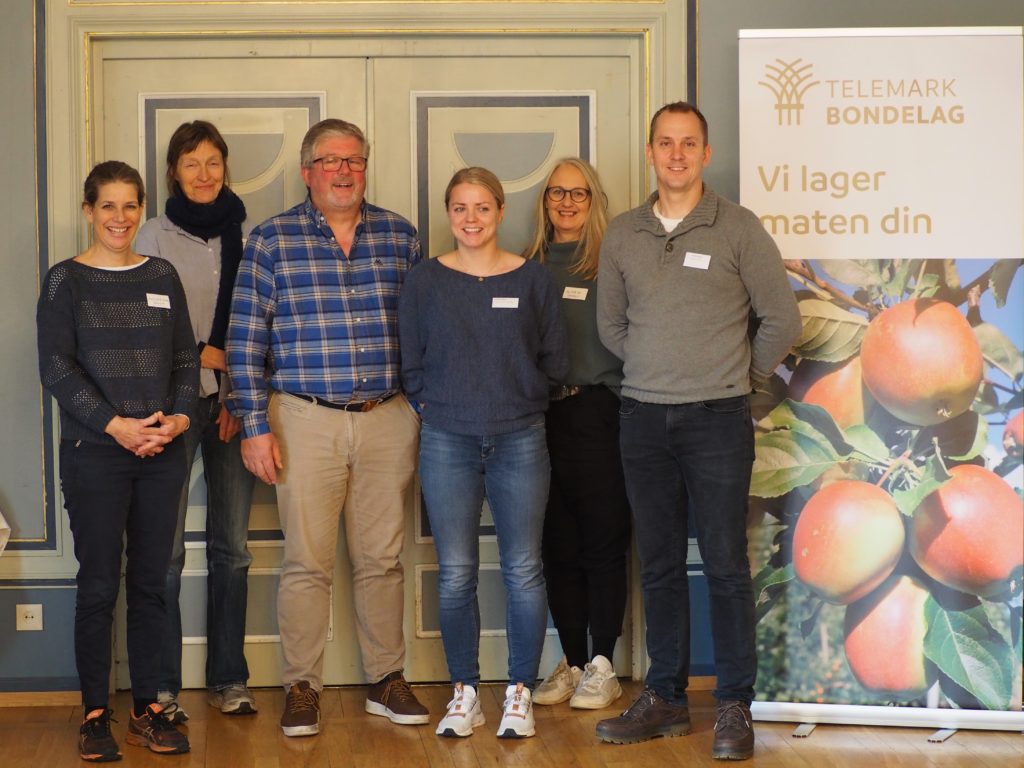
<point x="680" y="278"/>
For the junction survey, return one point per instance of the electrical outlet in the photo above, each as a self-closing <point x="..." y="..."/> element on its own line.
<point x="30" y="617"/>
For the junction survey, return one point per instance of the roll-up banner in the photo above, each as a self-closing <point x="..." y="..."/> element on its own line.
<point x="887" y="532"/>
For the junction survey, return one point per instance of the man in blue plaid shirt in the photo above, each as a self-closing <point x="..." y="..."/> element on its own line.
<point x="316" y="303"/>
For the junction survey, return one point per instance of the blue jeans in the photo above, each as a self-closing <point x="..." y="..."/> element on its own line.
<point x="228" y="499"/>
<point x="692" y="460"/>
<point x="512" y="470"/>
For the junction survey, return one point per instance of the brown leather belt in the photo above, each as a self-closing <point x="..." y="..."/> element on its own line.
<point x="359" y="407"/>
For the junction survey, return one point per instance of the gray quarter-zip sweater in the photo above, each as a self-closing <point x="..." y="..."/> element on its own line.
<point x="675" y="306"/>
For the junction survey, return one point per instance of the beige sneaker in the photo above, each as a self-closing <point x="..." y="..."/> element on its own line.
<point x="559" y="685"/>
<point x="599" y="687"/>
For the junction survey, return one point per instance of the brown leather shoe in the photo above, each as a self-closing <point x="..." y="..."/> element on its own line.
<point x="392" y="698"/>
<point x="648" y="717"/>
<point x="734" y="732"/>
<point x="301" y="716"/>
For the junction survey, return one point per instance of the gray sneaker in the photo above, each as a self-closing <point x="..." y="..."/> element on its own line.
<point x="235" y="699"/>
<point x="171" y="709"/>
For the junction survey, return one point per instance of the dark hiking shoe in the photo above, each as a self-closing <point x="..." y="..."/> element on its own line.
<point x="734" y="732"/>
<point x="648" y="717"/>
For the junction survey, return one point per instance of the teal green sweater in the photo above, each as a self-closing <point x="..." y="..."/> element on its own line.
<point x="589" y="361"/>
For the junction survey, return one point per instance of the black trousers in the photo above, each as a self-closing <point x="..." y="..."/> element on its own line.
<point x="116" y="499"/>
<point x="587" y="525"/>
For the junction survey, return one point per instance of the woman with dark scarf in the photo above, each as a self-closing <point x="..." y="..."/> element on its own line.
<point x="200" y="233"/>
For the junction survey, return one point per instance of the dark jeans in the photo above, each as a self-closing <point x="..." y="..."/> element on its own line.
<point x="228" y="500"/>
<point x="586" y="527"/>
<point x="113" y="497"/>
<point x="692" y="460"/>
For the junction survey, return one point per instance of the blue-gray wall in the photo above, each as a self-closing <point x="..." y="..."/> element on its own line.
<point x="45" y="660"/>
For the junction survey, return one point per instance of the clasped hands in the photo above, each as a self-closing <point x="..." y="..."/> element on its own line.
<point x="147" y="436"/>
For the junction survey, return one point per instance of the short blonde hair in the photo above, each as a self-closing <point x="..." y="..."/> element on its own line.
<point x="479" y="176"/>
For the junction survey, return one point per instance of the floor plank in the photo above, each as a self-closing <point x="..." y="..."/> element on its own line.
<point x="31" y="737"/>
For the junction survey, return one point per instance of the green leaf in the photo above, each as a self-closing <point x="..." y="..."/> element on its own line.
<point x="898" y="276"/>
<point x="765" y="596"/>
<point x="999" y="351"/>
<point x="978" y="444"/>
<point x="950" y="274"/>
<point x="786" y="459"/>
<point x="867" y="442"/>
<point x="808" y="419"/>
<point x="934" y="476"/>
<point x="966" y="648"/>
<point x="862" y="274"/>
<point x="927" y="286"/>
<point x="1000" y="278"/>
<point x="767" y="395"/>
<point x="830" y="333"/>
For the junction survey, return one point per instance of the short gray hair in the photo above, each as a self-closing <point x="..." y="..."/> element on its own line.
<point x="332" y="126"/>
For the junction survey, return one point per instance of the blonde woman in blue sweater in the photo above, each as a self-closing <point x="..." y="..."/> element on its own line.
<point x="482" y="336"/>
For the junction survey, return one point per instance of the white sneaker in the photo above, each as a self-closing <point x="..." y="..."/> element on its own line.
<point x="517" y="720"/>
<point x="463" y="713"/>
<point x="599" y="686"/>
<point x="559" y="685"/>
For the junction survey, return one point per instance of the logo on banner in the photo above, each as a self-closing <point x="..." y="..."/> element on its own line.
<point x="788" y="81"/>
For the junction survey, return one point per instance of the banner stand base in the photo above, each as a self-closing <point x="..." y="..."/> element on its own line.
<point x="905" y="717"/>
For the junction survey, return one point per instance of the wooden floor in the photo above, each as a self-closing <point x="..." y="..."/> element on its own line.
<point x="46" y="737"/>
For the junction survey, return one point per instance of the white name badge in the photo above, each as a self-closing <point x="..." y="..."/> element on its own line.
<point x="158" y="300"/>
<point x="576" y="294"/>
<point x="696" y="260"/>
<point x="505" y="302"/>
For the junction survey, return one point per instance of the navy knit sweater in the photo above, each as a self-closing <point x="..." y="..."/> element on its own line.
<point x="480" y="354"/>
<point x="115" y="343"/>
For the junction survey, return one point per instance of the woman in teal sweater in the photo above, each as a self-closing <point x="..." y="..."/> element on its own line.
<point x="586" y="527"/>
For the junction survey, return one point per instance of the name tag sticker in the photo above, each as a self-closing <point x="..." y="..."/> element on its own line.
<point x="158" y="300"/>
<point x="505" y="302"/>
<point x="696" y="260"/>
<point x="576" y="294"/>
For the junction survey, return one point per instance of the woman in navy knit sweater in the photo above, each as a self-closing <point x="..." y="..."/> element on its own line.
<point x="482" y="338"/>
<point x="116" y="351"/>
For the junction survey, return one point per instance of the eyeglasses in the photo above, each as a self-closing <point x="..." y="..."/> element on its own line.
<point x="557" y="194"/>
<point x="330" y="163"/>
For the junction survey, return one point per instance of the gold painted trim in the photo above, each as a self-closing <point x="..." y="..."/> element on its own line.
<point x="89" y="38"/>
<point x="696" y="51"/>
<point x="35" y="177"/>
<point x="189" y="4"/>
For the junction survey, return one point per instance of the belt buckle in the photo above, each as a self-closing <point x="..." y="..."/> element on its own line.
<point x="563" y="391"/>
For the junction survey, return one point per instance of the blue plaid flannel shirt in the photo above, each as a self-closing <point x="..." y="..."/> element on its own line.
<point x="320" y="323"/>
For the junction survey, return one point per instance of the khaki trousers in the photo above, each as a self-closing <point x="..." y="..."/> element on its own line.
<point x="356" y="466"/>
